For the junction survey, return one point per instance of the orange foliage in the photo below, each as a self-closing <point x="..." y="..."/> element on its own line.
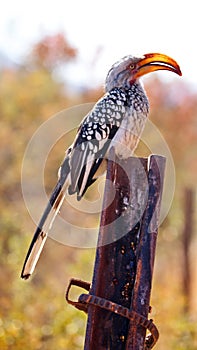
<point x="52" y="50"/>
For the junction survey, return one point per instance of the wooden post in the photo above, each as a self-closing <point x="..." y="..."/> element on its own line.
<point x="124" y="261"/>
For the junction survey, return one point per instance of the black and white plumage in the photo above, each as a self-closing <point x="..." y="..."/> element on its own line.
<point x="117" y="120"/>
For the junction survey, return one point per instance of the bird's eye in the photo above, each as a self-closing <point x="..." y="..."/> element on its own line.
<point x="132" y="66"/>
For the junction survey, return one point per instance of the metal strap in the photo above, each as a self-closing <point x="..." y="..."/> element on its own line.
<point x="85" y="300"/>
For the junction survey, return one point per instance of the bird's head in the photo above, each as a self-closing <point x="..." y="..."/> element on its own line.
<point x="129" y="69"/>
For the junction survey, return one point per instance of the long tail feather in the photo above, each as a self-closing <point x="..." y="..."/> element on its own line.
<point x="45" y="224"/>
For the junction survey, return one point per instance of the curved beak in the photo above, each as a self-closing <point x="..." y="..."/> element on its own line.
<point x="156" y="61"/>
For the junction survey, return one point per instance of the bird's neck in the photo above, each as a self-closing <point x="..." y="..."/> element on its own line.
<point x="134" y="94"/>
<point x="136" y="88"/>
<point x="126" y="85"/>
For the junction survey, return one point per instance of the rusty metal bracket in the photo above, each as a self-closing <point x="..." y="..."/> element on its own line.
<point x="86" y="299"/>
<point x="81" y="284"/>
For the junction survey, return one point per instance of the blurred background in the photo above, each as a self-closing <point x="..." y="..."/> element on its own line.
<point x="56" y="55"/>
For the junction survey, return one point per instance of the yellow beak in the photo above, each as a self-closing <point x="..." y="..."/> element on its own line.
<point x="156" y="61"/>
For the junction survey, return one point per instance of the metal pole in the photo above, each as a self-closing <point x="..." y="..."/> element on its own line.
<point x="146" y="252"/>
<point x="134" y="209"/>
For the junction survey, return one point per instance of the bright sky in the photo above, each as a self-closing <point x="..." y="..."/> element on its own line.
<point x="118" y="27"/>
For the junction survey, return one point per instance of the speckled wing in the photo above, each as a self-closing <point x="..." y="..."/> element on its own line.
<point x="78" y="170"/>
<point x="92" y="143"/>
